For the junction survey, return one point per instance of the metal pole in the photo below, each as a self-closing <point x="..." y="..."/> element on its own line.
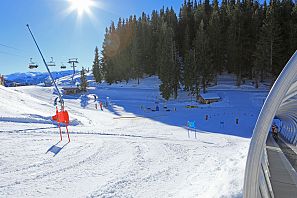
<point x="73" y="70"/>
<point x="50" y="74"/>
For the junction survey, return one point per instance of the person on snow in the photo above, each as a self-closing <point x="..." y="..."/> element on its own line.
<point x="101" y="106"/>
<point x="157" y="108"/>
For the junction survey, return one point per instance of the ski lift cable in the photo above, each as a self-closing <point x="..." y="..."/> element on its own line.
<point x="50" y="74"/>
<point x="11" y="54"/>
<point x="7" y="46"/>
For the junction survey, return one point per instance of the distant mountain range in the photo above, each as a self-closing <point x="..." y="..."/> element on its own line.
<point x="35" y="78"/>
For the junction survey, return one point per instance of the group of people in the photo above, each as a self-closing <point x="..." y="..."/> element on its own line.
<point x="100" y="103"/>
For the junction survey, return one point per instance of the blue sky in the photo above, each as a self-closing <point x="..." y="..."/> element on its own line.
<point x="58" y="34"/>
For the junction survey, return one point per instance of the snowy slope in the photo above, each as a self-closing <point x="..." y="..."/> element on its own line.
<point x="127" y="150"/>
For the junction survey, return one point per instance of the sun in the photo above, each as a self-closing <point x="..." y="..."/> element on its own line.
<point x="81" y="6"/>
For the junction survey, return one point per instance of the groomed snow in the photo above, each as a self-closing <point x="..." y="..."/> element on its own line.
<point x="127" y="150"/>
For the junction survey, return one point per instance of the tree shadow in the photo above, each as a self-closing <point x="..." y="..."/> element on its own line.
<point x="232" y="116"/>
<point x="111" y="108"/>
<point x="84" y="101"/>
<point x="56" y="149"/>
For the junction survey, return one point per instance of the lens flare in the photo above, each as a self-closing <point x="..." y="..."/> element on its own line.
<point x="81" y="6"/>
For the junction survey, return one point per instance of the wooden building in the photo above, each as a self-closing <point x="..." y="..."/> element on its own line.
<point x="207" y="98"/>
<point x="71" y="90"/>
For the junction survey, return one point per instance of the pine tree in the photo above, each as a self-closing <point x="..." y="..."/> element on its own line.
<point x="83" y="80"/>
<point x="249" y="33"/>
<point x="268" y="56"/>
<point x="235" y="45"/>
<point x="169" y="72"/>
<point x="203" y="70"/>
<point x="224" y="21"/>
<point x="137" y="52"/>
<point x="214" y="32"/>
<point x="207" y="12"/>
<point x="155" y="28"/>
<point x="96" y="67"/>
<point x="189" y="75"/>
<point x="293" y="31"/>
<point x="285" y="10"/>
<point x="107" y="62"/>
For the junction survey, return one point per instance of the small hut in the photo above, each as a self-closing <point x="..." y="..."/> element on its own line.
<point x="207" y="98"/>
<point x="71" y="90"/>
<point x="1" y="80"/>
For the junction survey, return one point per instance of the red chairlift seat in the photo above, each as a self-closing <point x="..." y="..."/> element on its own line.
<point x="62" y="117"/>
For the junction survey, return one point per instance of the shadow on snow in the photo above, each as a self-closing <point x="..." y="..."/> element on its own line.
<point x="56" y="149"/>
<point x="238" y="120"/>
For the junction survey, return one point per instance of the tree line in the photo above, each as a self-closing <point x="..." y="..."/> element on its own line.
<point x="188" y="50"/>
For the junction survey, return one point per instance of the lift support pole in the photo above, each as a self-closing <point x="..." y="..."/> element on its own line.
<point x="50" y="74"/>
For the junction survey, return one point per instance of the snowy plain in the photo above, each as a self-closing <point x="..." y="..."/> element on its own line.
<point x="126" y="150"/>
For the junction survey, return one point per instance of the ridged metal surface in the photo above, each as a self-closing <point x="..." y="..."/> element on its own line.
<point x="280" y="102"/>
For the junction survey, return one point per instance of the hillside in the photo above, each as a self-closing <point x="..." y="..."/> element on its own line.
<point x="126" y="150"/>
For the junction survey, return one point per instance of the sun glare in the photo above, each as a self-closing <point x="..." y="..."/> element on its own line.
<point x="81" y="6"/>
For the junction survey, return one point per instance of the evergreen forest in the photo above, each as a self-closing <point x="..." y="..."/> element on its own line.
<point x="188" y="49"/>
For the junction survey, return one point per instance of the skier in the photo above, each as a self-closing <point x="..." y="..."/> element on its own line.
<point x="101" y="106"/>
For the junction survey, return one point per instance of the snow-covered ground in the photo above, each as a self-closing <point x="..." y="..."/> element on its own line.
<point x="127" y="150"/>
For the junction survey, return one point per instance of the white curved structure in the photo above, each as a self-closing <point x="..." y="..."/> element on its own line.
<point x="282" y="103"/>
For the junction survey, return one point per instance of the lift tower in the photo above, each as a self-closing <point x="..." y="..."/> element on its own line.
<point x="73" y="61"/>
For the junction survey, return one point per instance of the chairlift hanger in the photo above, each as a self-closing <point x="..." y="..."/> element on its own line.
<point x="51" y="63"/>
<point x="63" y="66"/>
<point x="32" y="65"/>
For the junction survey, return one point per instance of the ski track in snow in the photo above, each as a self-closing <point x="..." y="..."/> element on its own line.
<point x="120" y="152"/>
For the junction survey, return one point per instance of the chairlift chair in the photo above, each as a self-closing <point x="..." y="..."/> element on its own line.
<point x="32" y="65"/>
<point x="51" y="63"/>
<point x="63" y="66"/>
